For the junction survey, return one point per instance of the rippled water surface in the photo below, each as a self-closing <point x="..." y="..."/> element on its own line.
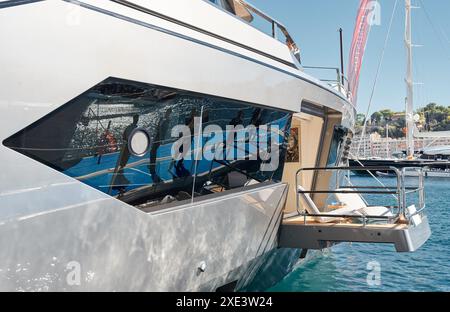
<point x="344" y="267"/>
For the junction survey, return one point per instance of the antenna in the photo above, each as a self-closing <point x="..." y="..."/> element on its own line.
<point x="341" y="41"/>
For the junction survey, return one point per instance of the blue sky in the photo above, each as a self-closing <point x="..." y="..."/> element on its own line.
<point x="314" y="25"/>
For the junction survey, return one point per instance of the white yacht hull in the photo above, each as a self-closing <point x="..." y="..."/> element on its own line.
<point x="117" y="248"/>
<point x="57" y="233"/>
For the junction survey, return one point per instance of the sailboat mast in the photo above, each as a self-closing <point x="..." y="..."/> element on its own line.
<point x="409" y="83"/>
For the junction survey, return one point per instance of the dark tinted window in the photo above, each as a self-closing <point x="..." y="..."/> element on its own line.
<point x="87" y="139"/>
<point x="229" y="6"/>
<point x="339" y="135"/>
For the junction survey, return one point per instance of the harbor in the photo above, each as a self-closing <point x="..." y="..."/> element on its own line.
<point x="347" y="267"/>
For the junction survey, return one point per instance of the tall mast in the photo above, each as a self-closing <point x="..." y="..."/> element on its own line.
<point x="409" y="83"/>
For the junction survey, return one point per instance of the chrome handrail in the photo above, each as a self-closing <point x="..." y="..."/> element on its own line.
<point x="400" y="190"/>
<point x="341" y="80"/>
<point x="420" y="190"/>
<point x="290" y="43"/>
<point x="275" y="24"/>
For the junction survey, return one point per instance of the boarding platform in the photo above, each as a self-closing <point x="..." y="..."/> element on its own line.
<point x="351" y="219"/>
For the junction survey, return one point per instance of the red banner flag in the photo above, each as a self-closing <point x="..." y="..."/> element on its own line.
<point x="358" y="47"/>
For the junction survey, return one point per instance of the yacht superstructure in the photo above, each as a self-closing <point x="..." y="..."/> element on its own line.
<point x="91" y="197"/>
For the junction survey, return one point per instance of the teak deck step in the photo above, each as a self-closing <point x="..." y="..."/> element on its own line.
<point x="343" y="223"/>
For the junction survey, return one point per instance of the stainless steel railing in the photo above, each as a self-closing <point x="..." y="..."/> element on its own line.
<point x="420" y="190"/>
<point x="276" y="27"/>
<point x="340" y="83"/>
<point x="400" y="191"/>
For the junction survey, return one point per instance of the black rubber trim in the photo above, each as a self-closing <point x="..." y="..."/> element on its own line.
<point x="12" y="3"/>
<point x="184" y="37"/>
<point x="201" y="30"/>
<point x="131" y="20"/>
<point x="311" y="109"/>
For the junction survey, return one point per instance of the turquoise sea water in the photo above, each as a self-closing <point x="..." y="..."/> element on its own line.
<point x="344" y="267"/>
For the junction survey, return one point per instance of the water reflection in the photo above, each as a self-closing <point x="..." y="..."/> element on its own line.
<point x="344" y="267"/>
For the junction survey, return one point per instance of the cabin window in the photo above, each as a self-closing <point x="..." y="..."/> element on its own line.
<point x="100" y="138"/>
<point x="239" y="9"/>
